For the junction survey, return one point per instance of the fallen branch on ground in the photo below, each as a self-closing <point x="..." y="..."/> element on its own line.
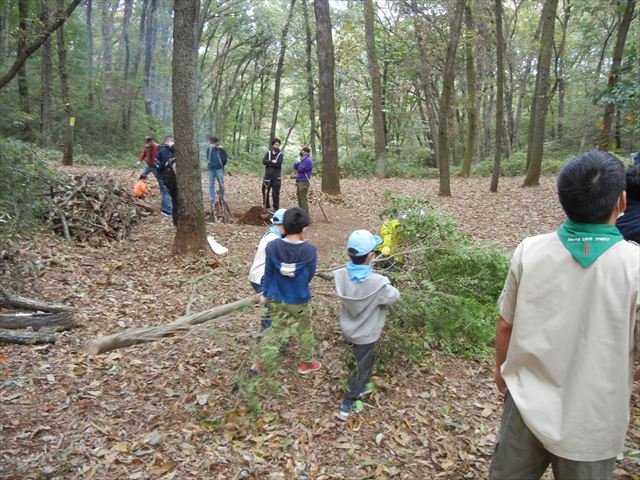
<point x="152" y="334"/>
<point x="53" y="321"/>
<point x="7" y="297"/>
<point x="26" y="338"/>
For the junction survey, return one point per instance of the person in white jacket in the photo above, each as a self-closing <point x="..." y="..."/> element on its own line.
<point x="365" y="296"/>
<point x="256" y="273"/>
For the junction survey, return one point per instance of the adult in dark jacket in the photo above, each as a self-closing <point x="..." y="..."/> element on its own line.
<point x="272" y="162"/>
<point x="216" y="161"/>
<point x="304" y="167"/>
<point x="149" y="155"/>
<point x="629" y="222"/>
<point x="166" y="166"/>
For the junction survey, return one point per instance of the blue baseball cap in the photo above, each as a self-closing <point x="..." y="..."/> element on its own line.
<point x="362" y="242"/>
<point x="278" y="217"/>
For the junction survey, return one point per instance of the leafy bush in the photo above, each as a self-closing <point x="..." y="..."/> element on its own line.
<point x="404" y="163"/>
<point x="25" y="180"/>
<point x="450" y="285"/>
<point x="513" y="166"/>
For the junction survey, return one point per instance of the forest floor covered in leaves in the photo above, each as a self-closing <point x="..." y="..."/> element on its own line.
<point x="168" y="409"/>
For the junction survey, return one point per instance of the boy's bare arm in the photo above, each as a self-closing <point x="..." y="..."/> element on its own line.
<point x="503" y="337"/>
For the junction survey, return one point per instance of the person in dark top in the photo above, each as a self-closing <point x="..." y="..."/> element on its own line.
<point x="216" y="161"/>
<point x="166" y="166"/>
<point x="272" y="162"/>
<point x="629" y="222"/>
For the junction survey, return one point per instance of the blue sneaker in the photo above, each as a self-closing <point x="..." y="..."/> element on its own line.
<point x="346" y="408"/>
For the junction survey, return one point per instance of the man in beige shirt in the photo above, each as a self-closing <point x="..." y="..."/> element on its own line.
<point x="565" y="340"/>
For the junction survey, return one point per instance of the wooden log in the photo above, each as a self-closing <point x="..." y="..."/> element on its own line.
<point x="26" y="338"/>
<point x="65" y="227"/>
<point x="7" y="297"/>
<point x="54" y="321"/>
<point x="152" y="334"/>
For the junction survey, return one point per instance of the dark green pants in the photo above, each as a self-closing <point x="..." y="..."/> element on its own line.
<point x="519" y="454"/>
<point x="302" y="190"/>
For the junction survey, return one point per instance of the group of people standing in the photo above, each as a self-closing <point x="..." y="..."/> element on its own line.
<point x="216" y="158"/>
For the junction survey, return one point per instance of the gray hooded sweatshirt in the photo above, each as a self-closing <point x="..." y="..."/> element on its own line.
<point x="364" y="305"/>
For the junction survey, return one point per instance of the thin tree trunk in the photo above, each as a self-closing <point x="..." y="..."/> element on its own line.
<point x="566" y="7"/>
<point x="541" y="96"/>
<point x="47" y="81"/>
<point x="376" y="88"/>
<point x="446" y="97"/>
<point x="471" y="104"/>
<point x="327" y="99"/>
<point x="191" y="231"/>
<point x="614" y="73"/>
<point x="126" y="20"/>
<point x="5" y="30"/>
<point x="150" y="41"/>
<point x="310" y="90"/>
<point x="69" y="121"/>
<point x="280" y="66"/>
<point x="107" y="51"/>
<point x="424" y="80"/>
<point x="499" y="95"/>
<point x="23" y="85"/>
<point x="89" y="30"/>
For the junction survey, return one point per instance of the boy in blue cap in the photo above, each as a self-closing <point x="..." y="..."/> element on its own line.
<point x="365" y="296"/>
<point x="256" y="274"/>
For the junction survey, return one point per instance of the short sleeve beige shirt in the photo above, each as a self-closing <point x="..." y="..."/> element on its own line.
<point x="569" y="367"/>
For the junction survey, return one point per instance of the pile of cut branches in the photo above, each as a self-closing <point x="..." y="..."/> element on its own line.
<point x="94" y="208"/>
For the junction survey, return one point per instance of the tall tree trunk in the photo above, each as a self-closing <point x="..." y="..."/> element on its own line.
<point x="376" y="88"/>
<point x="471" y="103"/>
<point x="541" y="96"/>
<point x="425" y="79"/>
<point x="5" y="30"/>
<point x="327" y="99"/>
<point x="614" y="73"/>
<point x="499" y="95"/>
<point x="69" y="121"/>
<point x="107" y="50"/>
<point x="566" y="8"/>
<point x="191" y="234"/>
<point x="23" y="85"/>
<point x="126" y="20"/>
<point x="280" y="66"/>
<point x="310" y="90"/>
<point x="89" y="29"/>
<point x="149" y="45"/>
<point x="446" y="97"/>
<point x="47" y="81"/>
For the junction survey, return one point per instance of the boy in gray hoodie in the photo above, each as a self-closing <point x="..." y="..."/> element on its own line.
<point x="364" y="296"/>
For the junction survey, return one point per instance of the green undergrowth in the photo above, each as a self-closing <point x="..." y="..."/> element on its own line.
<point x="449" y="285"/>
<point x="26" y="179"/>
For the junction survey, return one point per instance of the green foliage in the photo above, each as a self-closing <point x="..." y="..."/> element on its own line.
<point x="25" y="180"/>
<point x="402" y="163"/>
<point x="450" y="285"/>
<point x="513" y="166"/>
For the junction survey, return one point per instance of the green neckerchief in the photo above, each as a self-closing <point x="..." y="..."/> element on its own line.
<point x="587" y="241"/>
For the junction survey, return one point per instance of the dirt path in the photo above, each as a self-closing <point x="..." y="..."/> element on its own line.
<point x="167" y="410"/>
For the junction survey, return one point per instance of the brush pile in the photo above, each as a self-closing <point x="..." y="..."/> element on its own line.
<point x="94" y="208"/>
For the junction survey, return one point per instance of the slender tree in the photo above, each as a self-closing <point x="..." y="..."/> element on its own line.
<point x="376" y="87"/>
<point x="471" y="103"/>
<point x="446" y="97"/>
<point x="310" y="88"/>
<point x="499" y="95"/>
<point x="560" y="70"/>
<point x="89" y="33"/>
<point x="149" y="46"/>
<point x="614" y="72"/>
<point x="191" y="231"/>
<point x="5" y="30"/>
<point x="23" y="33"/>
<point x="47" y="81"/>
<point x="541" y="95"/>
<point x="279" y="68"/>
<point x="327" y="99"/>
<point x="69" y="121"/>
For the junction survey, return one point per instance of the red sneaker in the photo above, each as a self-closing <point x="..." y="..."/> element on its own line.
<point x="306" y="368"/>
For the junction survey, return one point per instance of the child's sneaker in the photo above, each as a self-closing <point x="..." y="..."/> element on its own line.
<point x="257" y="368"/>
<point x="369" y="387"/>
<point x="346" y="408"/>
<point x="306" y="368"/>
